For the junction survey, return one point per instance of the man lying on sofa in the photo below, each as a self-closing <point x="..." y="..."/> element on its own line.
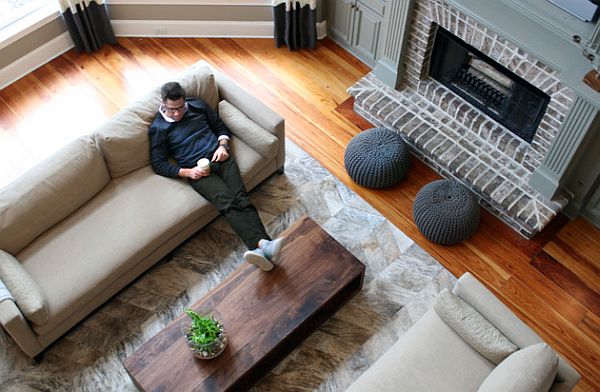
<point x="188" y="131"/>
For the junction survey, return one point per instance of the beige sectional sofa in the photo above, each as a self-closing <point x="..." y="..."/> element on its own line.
<point x="84" y="223"/>
<point x="468" y="341"/>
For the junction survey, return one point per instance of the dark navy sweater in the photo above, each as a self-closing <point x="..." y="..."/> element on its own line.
<point x="193" y="137"/>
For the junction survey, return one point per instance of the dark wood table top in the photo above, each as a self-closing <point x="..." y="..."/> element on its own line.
<point x="265" y="314"/>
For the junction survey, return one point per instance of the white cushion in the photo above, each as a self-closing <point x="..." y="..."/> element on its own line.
<point x="27" y="294"/>
<point x="5" y="294"/>
<point x="479" y="297"/>
<point x="475" y="329"/>
<point x="531" y="369"/>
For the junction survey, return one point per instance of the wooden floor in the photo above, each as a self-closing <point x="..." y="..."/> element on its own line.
<point x="552" y="282"/>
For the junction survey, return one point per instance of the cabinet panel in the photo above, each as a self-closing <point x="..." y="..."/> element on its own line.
<point x="376" y="5"/>
<point x="367" y="26"/>
<point x="340" y="13"/>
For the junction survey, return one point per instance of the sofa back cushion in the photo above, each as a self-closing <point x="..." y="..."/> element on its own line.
<point x="49" y="192"/>
<point x="261" y="140"/>
<point x="124" y="138"/>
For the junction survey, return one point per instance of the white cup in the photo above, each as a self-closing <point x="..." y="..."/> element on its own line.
<point x="204" y="163"/>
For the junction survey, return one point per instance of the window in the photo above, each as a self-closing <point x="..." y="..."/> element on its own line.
<point x="11" y="11"/>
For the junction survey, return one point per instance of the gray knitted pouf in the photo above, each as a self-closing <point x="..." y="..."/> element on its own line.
<point x="446" y="212"/>
<point x="377" y="158"/>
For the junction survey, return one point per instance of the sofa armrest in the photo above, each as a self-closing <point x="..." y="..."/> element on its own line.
<point x="254" y="109"/>
<point x="249" y="105"/>
<point x="18" y="328"/>
<point x="478" y="296"/>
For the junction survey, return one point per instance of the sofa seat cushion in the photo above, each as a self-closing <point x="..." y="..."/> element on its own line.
<point x="248" y="160"/>
<point x="430" y="356"/>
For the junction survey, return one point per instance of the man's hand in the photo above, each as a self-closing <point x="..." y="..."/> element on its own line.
<point x="195" y="173"/>
<point x="220" y="155"/>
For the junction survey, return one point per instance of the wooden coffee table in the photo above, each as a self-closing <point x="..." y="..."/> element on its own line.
<point x="266" y="315"/>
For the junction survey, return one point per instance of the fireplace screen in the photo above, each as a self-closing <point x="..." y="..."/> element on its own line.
<point x="501" y="94"/>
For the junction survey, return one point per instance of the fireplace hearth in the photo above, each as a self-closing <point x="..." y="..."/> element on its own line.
<point x="453" y="123"/>
<point x="507" y="98"/>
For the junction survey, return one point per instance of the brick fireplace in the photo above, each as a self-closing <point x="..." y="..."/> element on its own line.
<point x="456" y="138"/>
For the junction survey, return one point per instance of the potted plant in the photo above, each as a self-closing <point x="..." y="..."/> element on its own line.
<point x="204" y="335"/>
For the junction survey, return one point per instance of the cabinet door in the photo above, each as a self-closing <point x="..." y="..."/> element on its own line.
<point x="340" y="19"/>
<point x="367" y="25"/>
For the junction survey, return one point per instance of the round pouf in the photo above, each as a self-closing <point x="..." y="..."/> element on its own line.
<point x="377" y="158"/>
<point x="446" y="212"/>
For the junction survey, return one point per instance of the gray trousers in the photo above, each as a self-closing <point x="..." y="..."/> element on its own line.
<point x="225" y="189"/>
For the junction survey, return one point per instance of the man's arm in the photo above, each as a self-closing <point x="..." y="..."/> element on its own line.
<point x="220" y="129"/>
<point x="216" y="124"/>
<point x="159" y="154"/>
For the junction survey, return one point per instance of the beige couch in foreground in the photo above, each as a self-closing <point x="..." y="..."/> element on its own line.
<point x="468" y="341"/>
<point x="84" y="223"/>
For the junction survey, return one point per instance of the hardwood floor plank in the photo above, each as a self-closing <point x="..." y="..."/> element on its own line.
<point x="346" y="109"/>
<point x="585" y="385"/>
<point x="586" y="270"/>
<point x="591" y="326"/>
<point x="568" y="281"/>
<point x="9" y="120"/>
<point x="152" y="65"/>
<point x="583" y="238"/>
<point x="110" y="84"/>
<point x="132" y="77"/>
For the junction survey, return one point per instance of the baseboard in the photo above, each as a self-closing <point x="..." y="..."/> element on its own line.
<point x="35" y="59"/>
<point x="192" y="28"/>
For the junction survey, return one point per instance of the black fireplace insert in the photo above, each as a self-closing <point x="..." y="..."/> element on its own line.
<point x="501" y="94"/>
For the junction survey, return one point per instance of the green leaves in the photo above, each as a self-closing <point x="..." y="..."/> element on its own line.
<point x="203" y="329"/>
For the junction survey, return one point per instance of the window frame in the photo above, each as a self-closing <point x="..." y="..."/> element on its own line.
<point x="29" y="22"/>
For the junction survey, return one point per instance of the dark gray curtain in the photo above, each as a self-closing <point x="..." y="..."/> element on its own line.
<point x="295" y="24"/>
<point x="88" y="24"/>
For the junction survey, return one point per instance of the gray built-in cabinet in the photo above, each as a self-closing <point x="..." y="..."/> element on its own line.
<point x="356" y="25"/>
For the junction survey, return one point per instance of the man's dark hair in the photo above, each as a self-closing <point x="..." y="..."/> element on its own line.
<point x="172" y="91"/>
